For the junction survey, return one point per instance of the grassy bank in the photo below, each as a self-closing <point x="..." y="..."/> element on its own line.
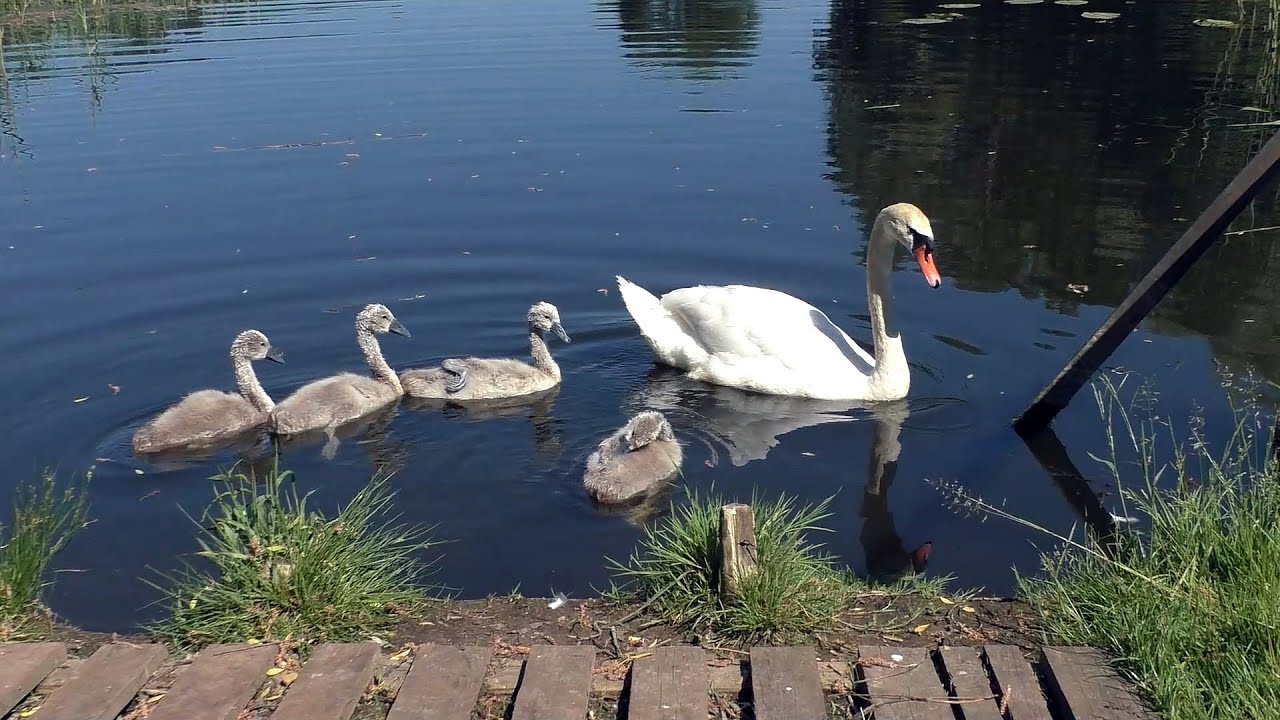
<point x="45" y="518"/>
<point x="797" y="591"/>
<point x="272" y="568"/>
<point x="1189" y="603"/>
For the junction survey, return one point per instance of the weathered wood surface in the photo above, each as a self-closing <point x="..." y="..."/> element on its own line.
<point x="970" y="685"/>
<point x="555" y="684"/>
<point x="785" y="684"/>
<point x="1153" y="287"/>
<point x="218" y="685"/>
<point x="1087" y="688"/>
<point x="443" y="684"/>
<point x="672" y="684"/>
<point x="667" y="683"/>
<point x="906" y="689"/>
<point x="1019" y="687"/>
<point x="23" y="666"/>
<point x="330" y="683"/>
<point x="105" y="683"/>
<point x="737" y="547"/>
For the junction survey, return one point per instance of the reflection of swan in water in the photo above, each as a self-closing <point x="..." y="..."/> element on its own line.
<point x="886" y="556"/>
<point x="536" y="406"/>
<point x="747" y="424"/>
<point x="641" y="509"/>
<point x="372" y="429"/>
<point x="246" y="446"/>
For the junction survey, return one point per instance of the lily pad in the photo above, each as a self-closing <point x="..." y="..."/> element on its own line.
<point x="1209" y="22"/>
<point x="926" y="20"/>
<point x="960" y="6"/>
<point x="1023" y="2"/>
<point x="1070" y="2"/>
<point x="1099" y="15"/>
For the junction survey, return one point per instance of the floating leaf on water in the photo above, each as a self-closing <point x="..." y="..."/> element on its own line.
<point x="960" y="6"/>
<point x="933" y="20"/>
<point x="1209" y="22"/>
<point x="1099" y="15"/>
<point x="1023" y="2"/>
<point x="1070" y="2"/>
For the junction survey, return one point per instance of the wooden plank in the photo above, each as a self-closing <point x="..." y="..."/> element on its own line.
<point x="970" y="682"/>
<point x="443" y="684"/>
<point x="903" y="689"/>
<point x="330" y="683"/>
<point x="670" y="685"/>
<point x="105" y="683"/>
<point x="785" y="684"/>
<point x="1154" y="286"/>
<point x="1019" y="686"/>
<point x="556" y="683"/>
<point x="218" y="684"/>
<point x="725" y="679"/>
<point x="23" y="666"/>
<point x="1087" y="688"/>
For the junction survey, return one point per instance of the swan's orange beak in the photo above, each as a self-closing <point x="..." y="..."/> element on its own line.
<point x="925" y="258"/>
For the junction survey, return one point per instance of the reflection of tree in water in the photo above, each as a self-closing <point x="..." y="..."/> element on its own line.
<point x="1043" y="146"/>
<point x="702" y="38"/>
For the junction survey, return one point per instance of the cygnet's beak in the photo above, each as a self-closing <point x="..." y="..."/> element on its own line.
<point x="559" y="331"/>
<point x="275" y="355"/>
<point x="399" y="329"/>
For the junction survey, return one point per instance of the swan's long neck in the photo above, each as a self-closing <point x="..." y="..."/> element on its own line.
<point x="542" y="354"/>
<point x="891" y="369"/>
<point x="377" y="364"/>
<point x="250" y="388"/>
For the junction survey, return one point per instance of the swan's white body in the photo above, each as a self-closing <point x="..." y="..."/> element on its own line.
<point x="769" y="342"/>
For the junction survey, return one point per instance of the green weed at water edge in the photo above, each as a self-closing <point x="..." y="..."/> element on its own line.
<point x="274" y="569"/>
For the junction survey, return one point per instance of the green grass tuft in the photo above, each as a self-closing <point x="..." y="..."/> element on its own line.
<point x="798" y="590"/>
<point x="45" y="518"/>
<point x="281" y="571"/>
<point x="1190" y="605"/>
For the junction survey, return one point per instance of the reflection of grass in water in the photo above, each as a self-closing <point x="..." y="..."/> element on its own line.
<point x="24" y="22"/>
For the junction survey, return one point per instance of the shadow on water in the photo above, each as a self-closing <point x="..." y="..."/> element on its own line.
<point x="1028" y="133"/>
<point x="697" y="39"/>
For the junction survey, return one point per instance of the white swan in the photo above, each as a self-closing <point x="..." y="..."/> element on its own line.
<point x="769" y="342"/>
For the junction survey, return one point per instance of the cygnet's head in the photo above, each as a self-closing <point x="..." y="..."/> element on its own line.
<point x="253" y="345"/>
<point x="644" y="428"/>
<point x="545" y="317"/>
<point x="911" y="228"/>
<point x="376" y="318"/>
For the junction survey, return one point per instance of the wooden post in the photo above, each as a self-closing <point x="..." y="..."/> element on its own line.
<point x="737" y="547"/>
<point x="1158" y="282"/>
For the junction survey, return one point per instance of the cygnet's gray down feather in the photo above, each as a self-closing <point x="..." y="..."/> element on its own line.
<point x="207" y="416"/>
<point x="638" y="458"/>
<point x="342" y="398"/>
<point x="493" y="378"/>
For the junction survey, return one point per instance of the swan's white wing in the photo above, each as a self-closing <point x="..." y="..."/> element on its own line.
<point x="767" y="329"/>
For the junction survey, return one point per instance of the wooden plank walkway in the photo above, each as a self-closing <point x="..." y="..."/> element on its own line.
<point x="993" y="682"/>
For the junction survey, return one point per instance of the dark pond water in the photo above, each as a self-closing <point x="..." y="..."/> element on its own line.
<point x="169" y="178"/>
